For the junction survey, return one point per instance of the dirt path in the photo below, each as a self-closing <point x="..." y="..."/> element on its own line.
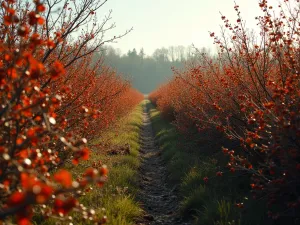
<point x="159" y="201"/>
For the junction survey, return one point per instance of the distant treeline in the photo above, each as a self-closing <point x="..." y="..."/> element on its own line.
<point x="148" y="72"/>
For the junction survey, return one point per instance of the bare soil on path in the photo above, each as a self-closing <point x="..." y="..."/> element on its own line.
<point x="159" y="201"/>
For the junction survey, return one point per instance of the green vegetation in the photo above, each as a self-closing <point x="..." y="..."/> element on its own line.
<point x="148" y="72"/>
<point x="117" y="195"/>
<point x="213" y="201"/>
<point x="116" y="199"/>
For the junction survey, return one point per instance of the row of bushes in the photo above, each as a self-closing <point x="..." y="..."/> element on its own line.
<point x="54" y="98"/>
<point x="248" y="94"/>
<point x="205" y="196"/>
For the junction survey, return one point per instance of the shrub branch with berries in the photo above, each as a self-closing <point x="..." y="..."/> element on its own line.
<point x="249" y="92"/>
<point x="50" y="98"/>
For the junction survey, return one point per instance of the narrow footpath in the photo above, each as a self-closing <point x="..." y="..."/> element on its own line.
<point x="158" y="201"/>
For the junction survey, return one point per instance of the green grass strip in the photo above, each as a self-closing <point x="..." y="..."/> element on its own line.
<point x="116" y="199"/>
<point x="200" y="202"/>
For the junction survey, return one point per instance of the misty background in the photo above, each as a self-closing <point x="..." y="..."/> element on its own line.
<point x="163" y="32"/>
<point x="147" y="72"/>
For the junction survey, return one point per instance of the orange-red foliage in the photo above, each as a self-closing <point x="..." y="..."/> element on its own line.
<point x="51" y="105"/>
<point x="251" y="92"/>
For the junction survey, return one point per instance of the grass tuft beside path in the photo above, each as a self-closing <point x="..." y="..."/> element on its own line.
<point x="116" y="199"/>
<point x="118" y="194"/>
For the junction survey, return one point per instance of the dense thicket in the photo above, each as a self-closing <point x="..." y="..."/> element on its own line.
<point x="52" y="102"/>
<point x="251" y="94"/>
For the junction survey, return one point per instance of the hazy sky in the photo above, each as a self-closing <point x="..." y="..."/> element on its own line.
<point x="161" y="23"/>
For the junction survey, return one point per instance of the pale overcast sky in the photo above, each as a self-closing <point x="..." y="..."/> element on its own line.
<point x="162" y="23"/>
